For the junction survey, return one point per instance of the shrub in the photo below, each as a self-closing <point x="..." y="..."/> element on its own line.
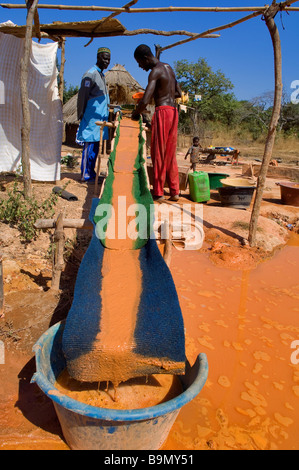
<point x="22" y="213"/>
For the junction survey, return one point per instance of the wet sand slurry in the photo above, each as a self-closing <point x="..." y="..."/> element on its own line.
<point x="245" y="321"/>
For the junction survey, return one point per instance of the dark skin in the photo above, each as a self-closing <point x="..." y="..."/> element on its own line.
<point x="196" y="144"/>
<point x="162" y="85"/>
<point x="103" y="60"/>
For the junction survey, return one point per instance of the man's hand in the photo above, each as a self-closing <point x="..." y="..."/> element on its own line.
<point x="135" y="116"/>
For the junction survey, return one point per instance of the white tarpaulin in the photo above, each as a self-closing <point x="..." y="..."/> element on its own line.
<point x="45" y="109"/>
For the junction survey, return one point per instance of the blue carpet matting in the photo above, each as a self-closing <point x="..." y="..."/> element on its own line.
<point x="159" y="330"/>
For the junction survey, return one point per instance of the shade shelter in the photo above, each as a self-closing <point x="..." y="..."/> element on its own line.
<point x="108" y="26"/>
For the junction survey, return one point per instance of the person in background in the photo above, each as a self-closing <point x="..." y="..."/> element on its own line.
<point x="164" y="89"/>
<point x="93" y="105"/>
<point x="194" y="152"/>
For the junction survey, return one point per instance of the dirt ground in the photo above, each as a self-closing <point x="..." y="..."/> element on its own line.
<point x="27" y="417"/>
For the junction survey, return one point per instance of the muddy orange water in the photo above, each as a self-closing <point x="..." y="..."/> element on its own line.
<point x="246" y="322"/>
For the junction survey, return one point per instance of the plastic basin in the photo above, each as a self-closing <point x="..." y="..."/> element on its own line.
<point x="237" y="197"/>
<point x="215" y="179"/>
<point x="87" y="427"/>
<point x="289" y="193"/>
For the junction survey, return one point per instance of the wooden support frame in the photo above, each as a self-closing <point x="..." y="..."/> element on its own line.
<point x="61" y="71"/>
<point x="268" y="12"/>
<point x="25" y="131"/>
<point x="275" y="37"/>
<point x="58" y="263"/>
<point x="102" y="148"/>
<point x="58" y="259"/>
<point x="210" y="31"/>
<point x="170" y="9"/>
<point x="115" y="13"/>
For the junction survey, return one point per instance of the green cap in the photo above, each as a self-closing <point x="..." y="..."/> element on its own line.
<point x="104" y="49"/>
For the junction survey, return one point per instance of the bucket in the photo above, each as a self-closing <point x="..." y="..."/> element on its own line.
<point x="199" y="186"/>
<point x="87" y="427"/>
<point x="289" y="193"/>
<point x="215" y="178"/>
<point x="237" y="197"/>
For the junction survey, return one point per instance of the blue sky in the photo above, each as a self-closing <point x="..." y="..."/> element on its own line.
<point x="243" y="53"/>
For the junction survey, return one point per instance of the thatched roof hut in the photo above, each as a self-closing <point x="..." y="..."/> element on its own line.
<point x="121" y="85"/>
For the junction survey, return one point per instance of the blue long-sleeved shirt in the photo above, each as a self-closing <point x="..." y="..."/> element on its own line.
<point x="93" y="105"/>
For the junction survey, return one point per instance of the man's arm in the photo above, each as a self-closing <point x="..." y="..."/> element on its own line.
<point x="148" y="94"/>
<point x="83" y="96"/>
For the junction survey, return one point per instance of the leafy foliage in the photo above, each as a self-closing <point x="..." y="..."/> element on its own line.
<point x="69" y="91"/>
<point x="218" y="105"/>
<point x="22" y="213"/>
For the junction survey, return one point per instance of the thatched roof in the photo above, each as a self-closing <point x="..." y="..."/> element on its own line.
<point x="118" y="75"/>
<point x="70" y="110"/>
<point x="102" y="28"/>
<point x="121" y="87"/>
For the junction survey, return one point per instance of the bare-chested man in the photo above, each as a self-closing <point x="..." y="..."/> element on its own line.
<point x="163" y="87"/>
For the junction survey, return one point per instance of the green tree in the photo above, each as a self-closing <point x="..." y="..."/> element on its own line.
<point x="68" y="92"/>
<point x="217" y="102"/>
<point x="289" y="119"/>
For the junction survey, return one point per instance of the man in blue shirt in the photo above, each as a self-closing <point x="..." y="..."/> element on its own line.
<point x="93" y="105"/>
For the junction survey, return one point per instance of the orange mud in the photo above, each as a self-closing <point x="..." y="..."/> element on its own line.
<point x="136" y="393"/>
<point x="245" y="321"/>
<point x="122" y="283"/>
<point x="121" y="287"/>
<point x="117" y="237"/>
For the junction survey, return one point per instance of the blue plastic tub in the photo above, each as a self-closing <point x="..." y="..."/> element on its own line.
<point x="87" y="427"/>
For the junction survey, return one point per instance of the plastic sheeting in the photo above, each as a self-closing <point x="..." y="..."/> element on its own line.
<point x="45" y="109"/>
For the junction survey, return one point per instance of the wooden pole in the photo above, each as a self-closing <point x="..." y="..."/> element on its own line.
<point x="167" y="243"/>
<point x="43" y="224"/>
<point x="270" y="22"/>
<point x="25" y="130"/>
<point x="37" y="25"/>
<point x="54" y="34"/>
<point x="96" y="183"/>
<point x="213" y="30"/>
<point x="147" y="10"/>
<point x="58" y="260"/>
<point x="115" y="13"/>
<point x="61" y="71"/>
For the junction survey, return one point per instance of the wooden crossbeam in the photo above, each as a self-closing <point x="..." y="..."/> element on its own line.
<point x="213" y="30"/>
<point x="115" y="13"/>
<point x="170" y="9"/>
